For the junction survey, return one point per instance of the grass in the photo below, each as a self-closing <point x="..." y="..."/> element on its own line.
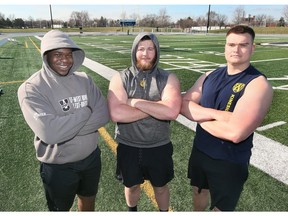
<point x="20" y="184"/>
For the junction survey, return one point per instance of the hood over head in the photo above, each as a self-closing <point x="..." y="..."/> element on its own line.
<point x="56" y="39"/>
<point x="135" y="46"/>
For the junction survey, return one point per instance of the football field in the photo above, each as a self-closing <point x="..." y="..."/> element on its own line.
<point x="186" y="55"/>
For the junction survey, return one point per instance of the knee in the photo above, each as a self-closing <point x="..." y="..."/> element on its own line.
<point x="133" y="189"/>
<point x="161" y="190"/>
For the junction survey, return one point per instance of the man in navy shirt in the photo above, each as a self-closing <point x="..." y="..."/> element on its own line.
<point x="228" y="104"/>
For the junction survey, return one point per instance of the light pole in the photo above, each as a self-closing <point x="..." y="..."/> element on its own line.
<point x="208" y="19"/>
<point x="51" y="17"/>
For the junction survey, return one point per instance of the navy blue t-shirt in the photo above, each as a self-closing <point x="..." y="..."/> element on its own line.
<point x="221" y="91"/>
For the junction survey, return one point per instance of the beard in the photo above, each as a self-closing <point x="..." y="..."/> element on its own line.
<point x="145" y="66"/>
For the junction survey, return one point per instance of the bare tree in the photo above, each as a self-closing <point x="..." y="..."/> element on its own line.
<point x="163" y="18"/>
<point x="201" y="21"/>
<point x="149" y="20"/>
<point x="260" y="20"/>
<point x="213" y="18"/>
<point x="30" y="22"/>
<point x="285" y="12"/>
<point x="153" y="20"/>
<point x="79" y="19"/>
<point x="75" y="19"/>
<point x="221" y="20"/>
<point x="85" y="18"/>
<point x="270" y="21"/>
<point x="239" y="15"/>
<point x="185" y="23"/>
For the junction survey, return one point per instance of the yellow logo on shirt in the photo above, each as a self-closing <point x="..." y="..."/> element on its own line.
<point x="238" y="87"/>
<point x="143" y="83"/>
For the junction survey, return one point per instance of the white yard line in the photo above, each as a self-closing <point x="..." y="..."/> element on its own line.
<point x="270" y="157"/>
<point x="267" y="155"/>
<point x="275" y="124"/>
<point x="102" y="70"/>
<point x="267" y="60"/>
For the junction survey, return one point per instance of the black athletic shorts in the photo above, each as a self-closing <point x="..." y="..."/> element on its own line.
<point x="63" y="181"/>
<point x="224" y="179"/>
<point x="135" y="165"/>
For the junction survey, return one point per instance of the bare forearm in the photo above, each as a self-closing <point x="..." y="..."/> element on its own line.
<point x="226" y="130"/>
<point x="195" y="112"/>
<point x="157" y="109"/>
<point x="125" y="114"/>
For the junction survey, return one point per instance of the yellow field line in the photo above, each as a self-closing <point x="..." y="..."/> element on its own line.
<point x="108" y="139"/>
<point x="113" y="145"/>
<point x="11" y="82"/>
<point x="35" y="45"/>
<point x="26" y="45"/>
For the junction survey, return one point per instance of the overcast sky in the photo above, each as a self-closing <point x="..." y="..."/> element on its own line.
<point x="113" y="10"/>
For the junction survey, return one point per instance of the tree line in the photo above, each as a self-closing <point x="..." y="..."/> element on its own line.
<point x="160" y="20"/>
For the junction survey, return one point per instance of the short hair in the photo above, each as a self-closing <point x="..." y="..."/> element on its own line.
<point x="241" y="29"/>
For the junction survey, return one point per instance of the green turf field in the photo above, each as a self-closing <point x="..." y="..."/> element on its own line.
<point x="187" y="56"/>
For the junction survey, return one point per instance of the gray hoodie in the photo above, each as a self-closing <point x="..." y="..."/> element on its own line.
<point x="64" y="112"/>
<point x="148" y="132"/>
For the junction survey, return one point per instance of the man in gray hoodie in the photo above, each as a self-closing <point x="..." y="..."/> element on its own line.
<point x="65" y="109"/>
<point x="142" y="100"/>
